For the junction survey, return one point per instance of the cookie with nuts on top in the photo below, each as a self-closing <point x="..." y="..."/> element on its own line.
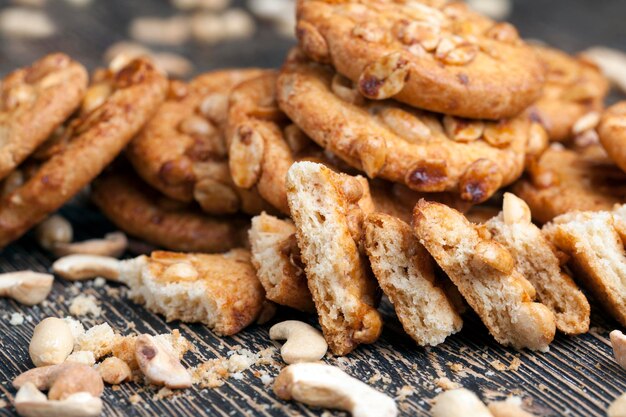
<point x="182" y="150"/>
<point x="325" y="209"/>
<point x="431" y="54"/>
<point x="563" y="180"/>
<point x="143" y="212"/>
<point x="34" y="101"/>
<point x="263" y="142"/>
<point x="484" y="272"/>
<point x="612" y="133"/>
<point x="88" y="145"/>
<point x="427" y="152"/>
<point x="536" y="259"/>
<point x="572" y="96"/>
<point x="594" y="240"/>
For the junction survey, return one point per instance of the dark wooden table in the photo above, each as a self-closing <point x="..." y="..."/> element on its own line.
<point x="578" y="377"/>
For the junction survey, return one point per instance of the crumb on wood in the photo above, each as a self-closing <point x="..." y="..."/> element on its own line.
<point x="134" y="399"/>
<point x="404" y="392"/>
<point x="83" y="305"/>
<point x="497" y="365"/>
<point x="446" y="384"/>
<point x="163" y="393"/>
<point x="17" y="319"/>
<point x="455" y="367"/>
<point x="515" y="364"/>
<point x="214" y="372"/>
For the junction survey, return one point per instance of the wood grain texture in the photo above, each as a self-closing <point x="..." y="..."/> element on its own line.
<point x="578" y="377"/>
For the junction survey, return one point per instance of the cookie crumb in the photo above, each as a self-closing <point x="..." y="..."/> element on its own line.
<point x="17" y="319"/>
<point x="404" y="392"/>
<point x="498" y="365"/>
<point x="455" y="367"/>
<point x="163" y="393"/>
<point x="83" y="305"/>
<point x="134" y="399"/>
<point x="515" y="364"/>
<point x="446" y="384"/>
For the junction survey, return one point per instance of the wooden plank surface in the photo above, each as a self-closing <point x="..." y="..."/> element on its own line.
<point x="577" y="377"/>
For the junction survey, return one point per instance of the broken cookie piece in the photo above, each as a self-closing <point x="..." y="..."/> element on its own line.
<point x="324" y="207"/>
<point x="484" y="272"/>
<point x="404" y="270"/>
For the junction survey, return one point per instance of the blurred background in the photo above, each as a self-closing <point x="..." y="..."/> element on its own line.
<point x="191" y="36"/>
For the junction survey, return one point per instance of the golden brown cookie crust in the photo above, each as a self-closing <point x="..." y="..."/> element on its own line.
<point x="182" y="150"/>
<point x="141" y="212"/>
<point x="394" y="142"/>
<point x="34" y="101"/>
<point x="574" y="88"/>
<point x="612" y="132"/>
<point x="563" y="180"/>
<point x="434" y="55"/>
<point x="323" y="205"/>
<point x="96" y="139"/>
<point x="484" y="272"/>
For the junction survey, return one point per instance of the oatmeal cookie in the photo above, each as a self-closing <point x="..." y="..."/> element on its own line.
<point x="574" y="89"/>
<point x="142" y="212"/>
<point x="405" y="272"/>
<point x="536" y="260"/>
<point x="595" y="243"/>
<point x="564" y="180"/>
<point x="434" y="55"/>
<point x="612" y="132"/>
<point x="91" y="142"/>
<point x="425" y="151"/>
<point x="484" y="272"/>
<point x="182" y="151"/>
<point x="324" y="207"/>
<point x="34" y="101"/>
<point x="276" y="257"/>
<point x="218" y="290"/>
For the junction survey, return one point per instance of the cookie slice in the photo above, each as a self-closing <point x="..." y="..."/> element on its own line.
<point x="276" y="257"/>
<point x="221" y="291"/>
<point x="405" y="273"/>
<point x="574" y="89"/>
<point x="484" y="272"/>
<point x="91" y="142"/>
<point x="324" y="208"/>
<point x="425" y="151"/>
<point x="536" y="261"/>
<point x="612" y="132"/>
<point x="435" y="55"/>
<point x="182" y="150"/>
<point x="34" y="101"/>
<point x="594" y="242"/>
<point x="563" y="180"/>
<point x="142" y="212"/>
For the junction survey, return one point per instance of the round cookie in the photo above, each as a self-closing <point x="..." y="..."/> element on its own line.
<point x="612" y="133"/>
<point x="263" y="143"/>
<point x="34" y="101"/>
<point x="140" y="211"/>
<point x="574" y="88"/>
<point x="564" y="180"/>
<point x="182" y="152"/>
<point x="91" y="142"/>
<point x="431" y="54"/>
<point x="425" y="151"/>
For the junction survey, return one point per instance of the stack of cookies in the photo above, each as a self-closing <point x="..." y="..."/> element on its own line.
<point x="372" y="162"/>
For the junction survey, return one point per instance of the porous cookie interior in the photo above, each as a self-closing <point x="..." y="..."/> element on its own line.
<point x="435" y="55"/>
<point x="426" y="151"/>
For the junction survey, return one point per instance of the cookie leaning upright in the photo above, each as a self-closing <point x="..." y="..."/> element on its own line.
<point x="484" y="272"/>
<point x="324" y="208"/>
<point x="427" y="152"/>
<point x="34" y="101"/>
<point x="406" y="274"/>
<point x="92" y="141"/>
<point x="436" y="55"/>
